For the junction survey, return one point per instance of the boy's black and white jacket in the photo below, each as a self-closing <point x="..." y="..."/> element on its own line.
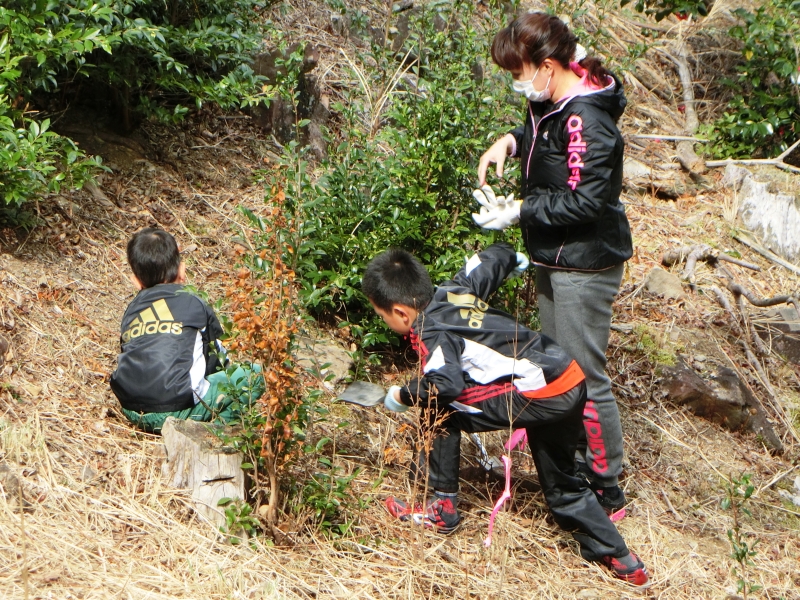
<point x="469" y="350"/>
<point x="169" y="345"/>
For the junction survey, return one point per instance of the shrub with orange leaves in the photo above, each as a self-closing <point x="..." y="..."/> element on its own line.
<point x="262" y="303"/>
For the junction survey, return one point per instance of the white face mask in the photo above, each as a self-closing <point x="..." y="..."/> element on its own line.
<point x="526" y="88"/>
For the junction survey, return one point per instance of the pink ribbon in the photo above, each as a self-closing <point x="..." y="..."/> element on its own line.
<point x="502" y="500"/>
<point x="520" y="436"/>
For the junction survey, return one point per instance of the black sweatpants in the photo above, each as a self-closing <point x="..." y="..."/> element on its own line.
<point x="553" y="426"/>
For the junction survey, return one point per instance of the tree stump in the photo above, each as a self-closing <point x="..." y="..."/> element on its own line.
<point x="198" y="460"/>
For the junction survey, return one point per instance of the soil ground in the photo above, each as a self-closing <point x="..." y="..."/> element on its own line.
<point x="85" y="514"/>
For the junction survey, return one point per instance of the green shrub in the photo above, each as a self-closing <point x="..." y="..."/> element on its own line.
<point x="34" y="159"/>
<point x="150" y="57"/>
<point x="403" y="174"/>
<point x="763" y="118"/>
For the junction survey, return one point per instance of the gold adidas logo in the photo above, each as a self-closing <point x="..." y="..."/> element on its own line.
<point x="156" y="319"/>
<point x="472" y="308"/>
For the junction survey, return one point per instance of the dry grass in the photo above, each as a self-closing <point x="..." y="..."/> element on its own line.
<point x="97" y="521"/>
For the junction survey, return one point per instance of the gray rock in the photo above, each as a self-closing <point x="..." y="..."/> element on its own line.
<point x="312" y="354"/>
<point x="402" y="5"/>
<point x="734" y="176"/>
<point x="88" y="473"/>
<point x="634" y="169"/>
<point x="664" y="284"/>
<point x="782" y="333"/>
<point x="718" y="396"/>
<point x="774" y="217"/>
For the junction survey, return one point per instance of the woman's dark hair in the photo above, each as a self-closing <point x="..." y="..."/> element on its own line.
<point x="396" y="277"/>
<point x="154" y="257"/>
<point x="532" y="37"/>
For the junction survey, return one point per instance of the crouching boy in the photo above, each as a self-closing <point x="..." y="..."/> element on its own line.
<point x="170" y="359"/>
<point x="507" y="376"/>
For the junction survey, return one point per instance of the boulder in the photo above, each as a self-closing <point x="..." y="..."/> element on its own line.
<point x="716" y="393"/>
<point x="771" y="214"/>
<point x="664" y="284"/>
<point x="313" y="353"/>
<point x="782" y="332"/>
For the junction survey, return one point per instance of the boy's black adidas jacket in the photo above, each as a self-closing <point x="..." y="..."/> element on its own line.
<point x="571" y="163"/>
<point x="169" y="344"/>
<point x="465" y="346"/>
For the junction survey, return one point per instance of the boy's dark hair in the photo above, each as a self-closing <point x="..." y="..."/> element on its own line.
<point x="154" y="257"/>
<point x="396" y="277"/>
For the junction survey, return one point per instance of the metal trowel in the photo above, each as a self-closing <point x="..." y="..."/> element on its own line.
<point x="363" y="393"/>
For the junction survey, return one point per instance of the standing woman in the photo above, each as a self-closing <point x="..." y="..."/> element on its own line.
<point x="572" y="221"/>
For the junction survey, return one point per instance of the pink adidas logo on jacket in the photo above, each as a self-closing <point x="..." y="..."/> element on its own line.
<point x="575" y="150"/>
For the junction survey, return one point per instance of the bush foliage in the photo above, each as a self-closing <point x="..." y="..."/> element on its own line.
<point x="151" y="57"/>
<point x="763" y="118"/>
<point x="404" y="172"/>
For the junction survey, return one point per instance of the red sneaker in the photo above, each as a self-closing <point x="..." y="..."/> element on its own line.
<point x="635" y="574"/>
<point x="438" y="514"/>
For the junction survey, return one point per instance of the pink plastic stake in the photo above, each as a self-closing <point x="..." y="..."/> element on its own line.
<point x="617" y="516"/>
<point x="502" y="500"/>
<point x="520" y="436"/>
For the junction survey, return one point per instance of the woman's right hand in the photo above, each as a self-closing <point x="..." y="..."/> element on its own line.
<point x="497" y="153"/>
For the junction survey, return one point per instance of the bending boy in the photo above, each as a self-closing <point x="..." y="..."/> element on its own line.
<point x="170" y="359"/>
<point x="506" y="376"/>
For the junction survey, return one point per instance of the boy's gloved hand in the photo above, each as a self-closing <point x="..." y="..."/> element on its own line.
<point x="522" y="264"/>
<point x="497" y="212"/>
<point x="391" y="403"/>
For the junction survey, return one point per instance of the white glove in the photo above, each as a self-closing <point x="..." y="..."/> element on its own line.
<point x="489" y="203"/>
<point x="522" y="264"/>
<point x="500" y="218"/>
<point x="390" y="403"/>
<point x="497" y="212"/>
<point x="486" y="197"/>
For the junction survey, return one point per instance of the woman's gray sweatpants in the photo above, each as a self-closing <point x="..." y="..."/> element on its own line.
<point x="575" y="311"/>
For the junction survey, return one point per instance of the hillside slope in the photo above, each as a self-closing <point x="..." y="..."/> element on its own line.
<point x="85" y="514"/>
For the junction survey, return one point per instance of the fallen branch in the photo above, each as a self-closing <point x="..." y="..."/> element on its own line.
<point x="739" y="290"/>
<point x="768" y="254"/>
<point x="670" y="507"/>
<point x="685" y="148"/>
<point x="692" y="254"/>
<point x="726" y="304"/>
<point x="666" y="138"/>
<point x="778" y="161"/>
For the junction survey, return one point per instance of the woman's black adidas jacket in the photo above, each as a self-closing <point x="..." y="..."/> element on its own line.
<point x="169" y="346"/>
<point x="571" y="155"/>
<point x="462" y="342"/>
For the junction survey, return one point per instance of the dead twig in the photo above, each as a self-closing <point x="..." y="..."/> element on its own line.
<point x="778" y="161"/>
<point x="692" y="254"/>
<point x="726" y="304"/>
<point x="667" y="138"/>
<point x="769" y="255"/>
<point x="670" y="507"/>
